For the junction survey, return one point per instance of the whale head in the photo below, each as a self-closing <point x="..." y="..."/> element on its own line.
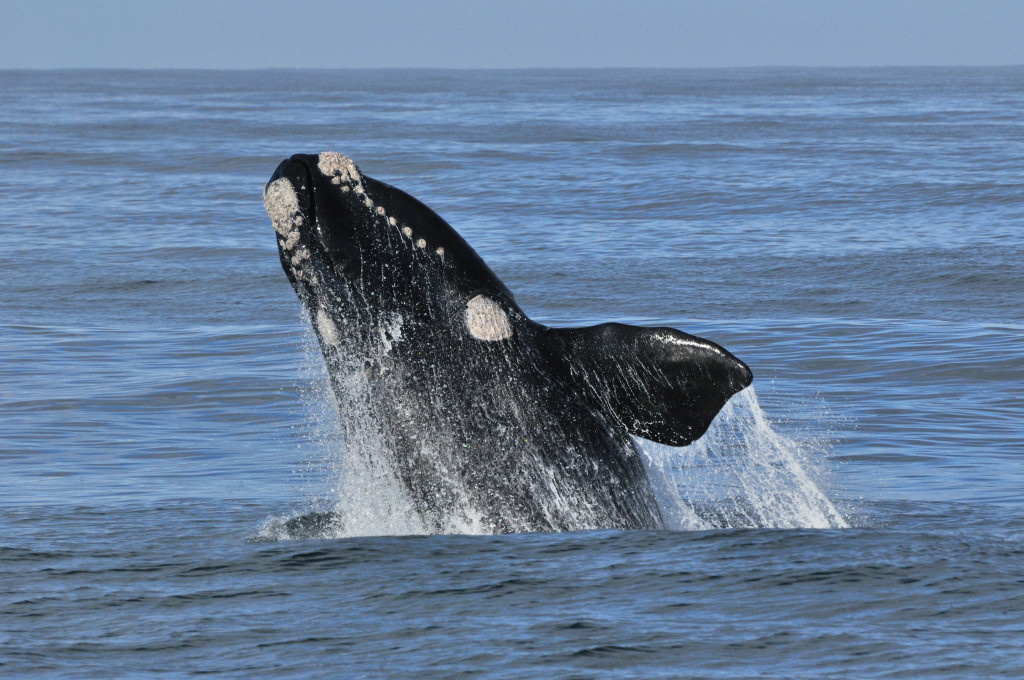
<point x="340" y="229"/>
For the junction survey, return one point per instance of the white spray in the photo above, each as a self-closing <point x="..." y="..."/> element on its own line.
<point x="740" y="474"/>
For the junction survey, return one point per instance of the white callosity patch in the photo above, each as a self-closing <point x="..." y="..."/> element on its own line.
<point x="328" y="331"/>
<point x="282" y="204"/>
<point x="333" y="164"/>
<point x="345" y="173"/>
<point x="486" y="319"/>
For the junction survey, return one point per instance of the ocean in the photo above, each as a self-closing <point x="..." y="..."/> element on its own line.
<point x="172" y="464"/>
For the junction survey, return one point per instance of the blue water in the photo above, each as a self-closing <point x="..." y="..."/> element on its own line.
<point x="168" y="445"/>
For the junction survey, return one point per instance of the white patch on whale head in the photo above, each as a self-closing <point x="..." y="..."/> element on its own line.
<point x="328" y="331"/>
<point x="333" y="164"/>
<point x="293" y="238"/>
<point x="282" y="204"/>
<point x="486" y="319"/>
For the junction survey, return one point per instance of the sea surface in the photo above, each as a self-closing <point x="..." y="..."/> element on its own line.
<point x="170" y="463"/>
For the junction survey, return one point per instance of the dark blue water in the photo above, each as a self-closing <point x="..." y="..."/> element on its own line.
<point x="171" y="470"/>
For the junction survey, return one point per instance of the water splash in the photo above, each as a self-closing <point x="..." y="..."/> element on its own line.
<point x="349" y="489"/>
<point x="741" y="474"/>
<point x="364" y="496"/>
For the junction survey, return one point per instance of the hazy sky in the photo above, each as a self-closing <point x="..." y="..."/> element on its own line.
<point x="486" y="33"/>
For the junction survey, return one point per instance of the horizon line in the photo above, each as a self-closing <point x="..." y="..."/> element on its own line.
<point x="4" y="69"/>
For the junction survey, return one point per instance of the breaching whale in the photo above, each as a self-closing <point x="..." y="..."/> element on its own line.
<point x="482" y="415"/>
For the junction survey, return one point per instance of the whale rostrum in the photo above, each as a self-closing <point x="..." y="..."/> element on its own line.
<point x="479" y="413"/>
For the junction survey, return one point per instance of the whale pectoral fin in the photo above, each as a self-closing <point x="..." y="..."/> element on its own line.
<point x="657" y="383"/>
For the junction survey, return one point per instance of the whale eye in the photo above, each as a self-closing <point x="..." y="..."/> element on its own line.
<point x="486" y="319"/>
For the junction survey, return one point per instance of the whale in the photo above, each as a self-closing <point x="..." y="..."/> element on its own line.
<point x="481" y="416"/>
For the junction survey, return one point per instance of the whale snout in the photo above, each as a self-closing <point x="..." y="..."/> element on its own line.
<point x="288" y="200"/>
<point x="289" y="195"/>
<point x="332" y="198"/>
<point x="317" y="206"/>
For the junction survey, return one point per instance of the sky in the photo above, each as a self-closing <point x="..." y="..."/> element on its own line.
<point x="507" y="34"/>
